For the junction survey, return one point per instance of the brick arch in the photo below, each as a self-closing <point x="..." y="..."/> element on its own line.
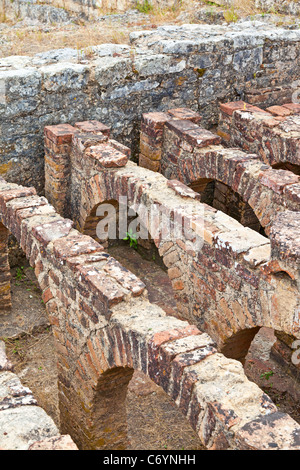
<point x="258" y="185"/>
<point x="237" y="346"/>
<point x="211" y="289"/>
<point x="104" y="327"/>
<point x="231" y="283"/>
<point x="222" y="197"/>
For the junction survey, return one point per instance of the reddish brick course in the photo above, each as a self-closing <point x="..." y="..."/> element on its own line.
<point x="104" y="326"/>
<point x="273" y="134"/>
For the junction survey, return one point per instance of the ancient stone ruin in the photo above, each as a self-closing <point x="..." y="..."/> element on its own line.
<point x="199" y="126"/>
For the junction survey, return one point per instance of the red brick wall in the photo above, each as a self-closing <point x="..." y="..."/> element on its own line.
<point x="104" y="327"/>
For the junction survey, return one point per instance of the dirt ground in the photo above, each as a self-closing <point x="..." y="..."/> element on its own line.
<point x="154" y="422"/>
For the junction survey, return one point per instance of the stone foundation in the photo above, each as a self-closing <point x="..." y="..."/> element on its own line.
<point x="194" y="66"/>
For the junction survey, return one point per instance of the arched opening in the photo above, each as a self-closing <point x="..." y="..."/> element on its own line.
<point x="238" y="345"/>
<point x="288" y="167"/>
<point x="131" y="412"/>
<point x="220" y="196"/>
<point x="109" y="416"/>
<point x="124" y="237"/>
<point x="271" y="359"/>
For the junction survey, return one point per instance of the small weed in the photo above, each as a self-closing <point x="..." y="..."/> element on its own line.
<point x="267" y="375"/>
<point x="131" y="237"/>
<point x="144" y="7"/>
<point x="20" y="275"/>
<point x="15" y="347"/>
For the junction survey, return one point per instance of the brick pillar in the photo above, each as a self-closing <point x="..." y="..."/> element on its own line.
<point x="151" y="140"/>
<point x="151" y="137"/>
<point x="5" y="297"/>
<point x="58" y="143"/>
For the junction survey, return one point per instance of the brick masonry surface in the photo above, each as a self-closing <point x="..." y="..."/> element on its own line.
<point x="104" y="328"/>
<point x="241" y="184"/>
<point x="273" y="134"/>
<point x="212" y="285"/>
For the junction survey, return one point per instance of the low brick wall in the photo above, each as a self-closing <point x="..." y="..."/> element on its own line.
<point x="104" y="328"/>
<point x="181" y="149"/>
<point x="273" y="134"/>
<point x="213" y="284"/>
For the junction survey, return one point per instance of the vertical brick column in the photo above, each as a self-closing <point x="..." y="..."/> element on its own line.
<point x="5" y="297"/>
<point x="58" y="143"/>
<point x="151" y="137"/>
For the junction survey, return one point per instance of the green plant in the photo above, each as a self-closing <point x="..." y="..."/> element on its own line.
<point x="267" y="375"/>
<point x="144" y="7"/>
<point x="16" y="348"/>
<point x="230" y="15"/>
<point x="20" y="273"/>
<point x="132" y="238"/>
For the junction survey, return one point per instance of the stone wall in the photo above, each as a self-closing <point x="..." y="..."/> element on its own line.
<point x="291" y="7"/>
<point x="63" y="11"/>
<point x="195" y="66"/>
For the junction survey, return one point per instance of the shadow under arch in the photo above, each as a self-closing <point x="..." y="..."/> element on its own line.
<point x="113" y="428"/>
<point x="238" y="345"/>
<point x="109" y="428"/>
<point x="221" y="196"/>
<point x="139" y="255"/>
<point x="294" y="168"/>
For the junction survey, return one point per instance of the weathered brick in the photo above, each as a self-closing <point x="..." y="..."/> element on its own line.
<point x="107" y="156"/>
<point x="75" y="244"/>
<point x="51" y="231"/>
<point x="93" y="127"/>
<point x="60" y="134"/>
<point x="185" y="114"/>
